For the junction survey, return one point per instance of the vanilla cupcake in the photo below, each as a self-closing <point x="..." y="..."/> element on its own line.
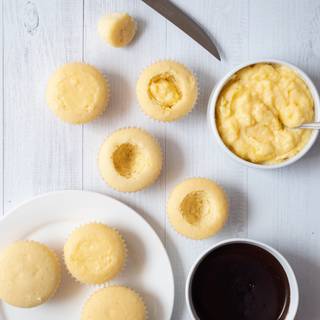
<point x="114" y="303"/>
<point x="77" y="93"/>
<point x="130" y="159"/>
<point x="30" y="274"/>
<point x="167" y="90"/>
<point x="94" y="253"/>
<point x="117" y="29"/>
<point x="197" y="208"/>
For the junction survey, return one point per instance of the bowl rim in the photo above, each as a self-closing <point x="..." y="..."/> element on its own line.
<point x="212" y="108"/>
<point x="293" y="284"/>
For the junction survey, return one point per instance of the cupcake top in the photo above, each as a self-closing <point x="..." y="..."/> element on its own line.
<point x="77" y="93"/>
<point x="29" y="274"/>
<point x="167" y="90"/>
<point x="94" y="253"/>
<point x="197" y="208"/>
<point x="130" y="159"/>
<point x="114" y="303"/>
<point x="117" y="29"/>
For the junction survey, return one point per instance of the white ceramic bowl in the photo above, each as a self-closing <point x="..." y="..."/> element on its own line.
<point x="212" y="120"/>
<point x="294" y="290"/>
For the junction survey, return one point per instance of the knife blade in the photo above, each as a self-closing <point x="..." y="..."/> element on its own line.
<point x="175" y="15"/>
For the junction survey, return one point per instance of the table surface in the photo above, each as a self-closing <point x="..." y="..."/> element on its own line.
<point x="38" y="153"/>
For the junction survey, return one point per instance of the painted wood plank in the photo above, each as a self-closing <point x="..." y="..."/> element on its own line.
<point x="190" y="145"/>
<point x="41" y="153"/>
<point x="122" y="67"/>
<point x="2" y="108"/>
<point x="283" y="204"/>
<point x="172" y="135"/>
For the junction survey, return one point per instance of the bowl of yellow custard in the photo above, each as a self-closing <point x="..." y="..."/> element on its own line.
<point x="254" y="112"/>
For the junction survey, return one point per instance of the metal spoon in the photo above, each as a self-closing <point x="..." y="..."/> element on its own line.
<point x="309" y="125"/>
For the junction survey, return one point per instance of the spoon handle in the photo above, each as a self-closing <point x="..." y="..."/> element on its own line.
<point x="311" y="125"/>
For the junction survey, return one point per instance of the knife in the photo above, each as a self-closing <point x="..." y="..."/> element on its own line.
<point x="175" y="15"/>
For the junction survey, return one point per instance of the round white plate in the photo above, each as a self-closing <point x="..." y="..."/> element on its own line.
<point x="51" y="217"/>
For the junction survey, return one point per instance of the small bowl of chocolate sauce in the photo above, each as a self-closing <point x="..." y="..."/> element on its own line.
<point x="242" y="279"/>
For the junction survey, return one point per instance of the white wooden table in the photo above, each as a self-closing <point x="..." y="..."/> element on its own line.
<point x="41" y="154"/>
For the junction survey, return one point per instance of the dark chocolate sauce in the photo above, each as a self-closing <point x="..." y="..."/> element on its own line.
<point x="240" y="281"/>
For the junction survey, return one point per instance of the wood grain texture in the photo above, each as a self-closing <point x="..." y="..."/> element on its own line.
<point x="41" y="153"/>
<point x="2" y="106"/>
<point x="38" y="153"/>
<point x="122" y="67"/>
<point x="191" y="151"/>
<point x="283" y="203"/>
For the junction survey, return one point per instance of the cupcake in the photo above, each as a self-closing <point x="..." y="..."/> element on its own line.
<point x="130" y="159"/>
<point x="30" y="274"/>
<point x="114" y="303"/>
<point x="94" y="253"/>
<point x="117" y="29"/>
<point x="77" y="93"/>
<point x="167" y="90"/>
<point x="197" y="208"/>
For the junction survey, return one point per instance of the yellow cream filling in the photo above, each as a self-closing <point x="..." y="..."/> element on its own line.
<point x="128" y="160"/>
<point x="257" y="110"/>
<point x="164" y="91"/>
<point x="195" y="206"/>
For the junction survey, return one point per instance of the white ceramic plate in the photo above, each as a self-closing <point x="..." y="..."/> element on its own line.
<point x="51" y="217"/>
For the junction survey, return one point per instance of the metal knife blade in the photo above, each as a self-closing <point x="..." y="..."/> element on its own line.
<point x="175" y="15"/>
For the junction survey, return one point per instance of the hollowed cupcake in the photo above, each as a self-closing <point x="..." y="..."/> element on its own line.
<point x="130" y="159"/>
<point x="197" y="208"/>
